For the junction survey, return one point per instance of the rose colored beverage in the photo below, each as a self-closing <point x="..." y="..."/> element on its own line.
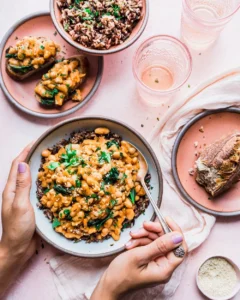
<point x="157" y="78"/>
<point x="161" y="65"/>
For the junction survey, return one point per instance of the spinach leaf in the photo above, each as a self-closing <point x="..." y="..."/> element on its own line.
<point x="46" y="191"/>
<point x="98" y="223"/>
<point x="112" y="176"/>
<point x="111" y="143"/>
<point x="55" y="223"/>
<point x="53" y="165"/>
<point x="48" y="102"/>
<point x="104" y="157"/>
<point x="8" y="55"/>
<point x="62" y="190"/>
<point x="21" y="69"/>
<point x="132" y="195"/>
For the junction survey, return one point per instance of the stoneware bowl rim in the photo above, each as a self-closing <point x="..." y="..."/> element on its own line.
<point x="121" y="124"/>
<point x="174" y="161"/>
<point x="90" y="51"/>
<point x="235" y="266"/>
<point x="38" y="114"/>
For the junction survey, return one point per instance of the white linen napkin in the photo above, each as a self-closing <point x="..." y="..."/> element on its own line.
<point x="76" y="278"/>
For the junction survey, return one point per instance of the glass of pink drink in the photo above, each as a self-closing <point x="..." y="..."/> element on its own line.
<point x="203" y="20"/>
<point x="161" y="65"/>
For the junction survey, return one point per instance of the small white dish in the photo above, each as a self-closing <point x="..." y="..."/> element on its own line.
<point x="235" y="290"/>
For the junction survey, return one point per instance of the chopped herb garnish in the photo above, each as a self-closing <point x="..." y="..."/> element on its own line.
<point x="111" y="143"/>
<point x="46" y="76"/>
<point x="113" y="202"/>
<point x="132" y="195"/>
<point x="78" y="183"/>
<point x="98" y="148"/>
<point x="71" y="159"/>
<point x="55" y="223"/>
<point x="46" y="191"/>
<point x="67" y="214"/>
<point x="42" y="47"/>
<point x="104" y="157"/>
<point x="53" y="165"/>
<point x="112" y="176"/>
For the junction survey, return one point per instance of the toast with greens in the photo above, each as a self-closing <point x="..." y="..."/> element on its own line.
<point x="30" y="55"/>
<point x="61" y="83"/>
<point x="218" y="166"/>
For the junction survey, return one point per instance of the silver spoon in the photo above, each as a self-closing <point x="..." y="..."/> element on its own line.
<point x="179" y="251"/>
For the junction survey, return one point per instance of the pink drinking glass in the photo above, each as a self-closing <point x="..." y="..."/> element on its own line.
<point x="203" y="20"/>
<point x="172" y="57"/>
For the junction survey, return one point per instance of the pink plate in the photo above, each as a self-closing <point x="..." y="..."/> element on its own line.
<point x="215" y="125"/>
<point x="21" y="94"/>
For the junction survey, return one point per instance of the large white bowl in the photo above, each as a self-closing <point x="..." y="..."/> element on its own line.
<point x="63" y="130"/>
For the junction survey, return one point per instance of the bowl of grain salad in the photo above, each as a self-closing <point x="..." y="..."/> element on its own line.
<point x="100" y="27"/>
<point x="85" y="192"/>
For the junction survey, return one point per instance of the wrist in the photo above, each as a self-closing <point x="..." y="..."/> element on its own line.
<point x="104" y="290"/>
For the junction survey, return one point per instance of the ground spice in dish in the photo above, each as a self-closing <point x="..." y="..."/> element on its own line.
<point x="217" y="277"/>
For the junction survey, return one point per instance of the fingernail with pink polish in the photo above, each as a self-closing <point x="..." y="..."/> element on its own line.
<point x="128" y="244"/>
<point x="21" y="168"/>
<point x="177" y="239"/>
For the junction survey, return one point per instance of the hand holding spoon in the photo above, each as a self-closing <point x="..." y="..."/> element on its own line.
<point x="179" y="251"/>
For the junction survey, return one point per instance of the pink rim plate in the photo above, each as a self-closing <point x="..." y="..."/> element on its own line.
<point x="21" y="94"/>
<point x="215" y="125"/>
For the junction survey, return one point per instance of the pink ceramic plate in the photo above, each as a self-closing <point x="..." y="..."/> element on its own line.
<point x="215" y="125"/>
<point x="21" y="94"/>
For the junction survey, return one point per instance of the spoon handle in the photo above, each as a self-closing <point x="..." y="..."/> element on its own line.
<point x="179" y="251"/>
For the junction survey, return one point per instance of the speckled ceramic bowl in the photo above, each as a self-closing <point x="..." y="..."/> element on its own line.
<point x="21" y="94"/>
<point x="235" y="290"/>
<point x="136" y="33"/>
<point x="63" y="130"/>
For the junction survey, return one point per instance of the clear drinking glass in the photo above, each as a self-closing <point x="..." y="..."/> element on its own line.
<point x="203" y="20"/>
<point x="161" y="65"/>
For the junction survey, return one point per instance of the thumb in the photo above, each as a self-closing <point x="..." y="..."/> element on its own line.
<point x="161" y="246"/>
<point x="23" y="184"/>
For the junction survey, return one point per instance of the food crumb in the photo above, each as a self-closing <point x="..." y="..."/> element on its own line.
<point x="112" y="245"/>
<point x="142" y="125"/>
<point x="55" y="33"/>
<point x="201" y="129"/>
<point x="189" y="86"/>
<point x="16" y="38"/>
<point x="196" y="144"/>
<point x="196" y="153"/>
<point x="158" y="119"/>
<point x="191" y="171"/>
<point x="156" y="80"/>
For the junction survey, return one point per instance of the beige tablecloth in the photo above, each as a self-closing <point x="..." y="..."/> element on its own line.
<point x="75" y="278"/>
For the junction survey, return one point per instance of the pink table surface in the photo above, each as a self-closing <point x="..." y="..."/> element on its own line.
<point x="117" y="97"/>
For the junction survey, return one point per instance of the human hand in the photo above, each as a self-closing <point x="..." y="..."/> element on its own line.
<point x="149" y="262"/>
<point x="17" y="244"/>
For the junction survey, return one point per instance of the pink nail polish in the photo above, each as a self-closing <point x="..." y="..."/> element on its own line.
<point x="21" y="168"/>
